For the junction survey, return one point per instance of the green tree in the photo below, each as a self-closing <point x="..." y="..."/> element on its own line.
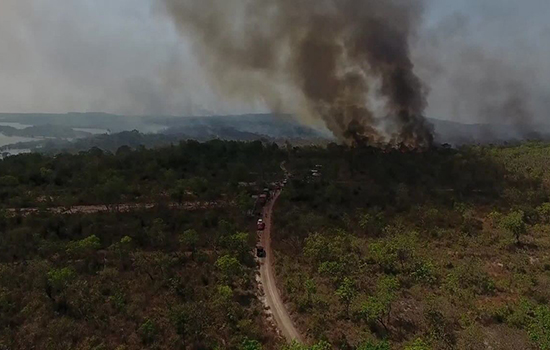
<point x="60" y="279"/>
<point x="223" y="299"/>
<point x="539" y="327"/>
<point x="311" y="289"/>
<point x="245" y="201"/>
<point x="179" y="191"/>
<point x="157" y="232"/>
<point x="189" y="239"/>
<point x="190" y="321"/>
<point x="418" y="344"/>
<point x="346" y="293"/>
<point x="250" y="344"/>
<point x="148" y="332"/>
<point x="8" y="181"/>
<point x="322" y="345"/>
<point x="378" y="307"/>
<point x="544" y="212"/>
<point x="111" y="191"/>
<point x="373" y="345"/>
<point x="230" y="267"/>
<point x="238" y="243"/>
<point x="514" y="223"/>
<point x="197" y="185"/>
<point x="85" y="246"/>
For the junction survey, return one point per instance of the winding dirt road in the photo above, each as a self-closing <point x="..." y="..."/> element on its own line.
<point x="267" y="275"/>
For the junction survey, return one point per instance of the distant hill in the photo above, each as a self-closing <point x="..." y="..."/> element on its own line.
<point x="458" y="134"/>
<point x="72" y="130"/>
<point x="270" y="125"/>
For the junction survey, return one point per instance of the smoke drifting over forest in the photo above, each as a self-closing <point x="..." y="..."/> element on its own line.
<point x="344" y="61"/>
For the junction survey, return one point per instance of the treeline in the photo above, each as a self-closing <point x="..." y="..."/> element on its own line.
<point x="188" y="171"/>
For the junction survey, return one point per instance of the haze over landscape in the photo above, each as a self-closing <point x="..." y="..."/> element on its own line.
<point x="274" y="174"/>
<point x="129" y="58"/>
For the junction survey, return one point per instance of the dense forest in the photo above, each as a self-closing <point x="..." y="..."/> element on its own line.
<point x="189" y="171"/>
<point x="374" y="249"/>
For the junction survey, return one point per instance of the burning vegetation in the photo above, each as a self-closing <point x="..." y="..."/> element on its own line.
<point x="344" y="62"/>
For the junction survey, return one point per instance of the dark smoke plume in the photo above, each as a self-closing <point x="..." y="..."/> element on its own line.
<point x="345" y="61"/>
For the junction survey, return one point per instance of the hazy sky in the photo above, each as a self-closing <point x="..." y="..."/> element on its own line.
<point x="124" y="56"/>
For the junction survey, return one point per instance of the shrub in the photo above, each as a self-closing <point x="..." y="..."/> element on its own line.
<point x="59" y="279"/>
<point x="539" y="327"/>
<point x="544" y="213"/>
<point x="424" y="272"/>
<point x="372" y="345"/>
<point x="347" y="292"/>
<point x="148" y="332"/>
<point x="418" y="344"/>
<point x="514" y="224"/>
<point x="84" y="247"/>
<point x="8" y="181"/>
<point x="378" y="307"/>
<point x="249" y="344"/>
<point x="470" y="276"/>
<point x="229" y="266"/>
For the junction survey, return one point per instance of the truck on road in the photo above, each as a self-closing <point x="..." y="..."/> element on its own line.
<point x="261" y="225"/>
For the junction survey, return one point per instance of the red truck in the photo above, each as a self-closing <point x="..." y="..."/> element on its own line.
<point x="261" y="225"/>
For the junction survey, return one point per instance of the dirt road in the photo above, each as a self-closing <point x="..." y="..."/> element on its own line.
<point x="272" y="295"/>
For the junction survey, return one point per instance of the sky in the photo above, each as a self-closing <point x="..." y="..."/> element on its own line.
<point x="482" y="60"/>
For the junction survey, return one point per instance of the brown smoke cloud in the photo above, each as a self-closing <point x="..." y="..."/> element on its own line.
<point x="346" y="62"/>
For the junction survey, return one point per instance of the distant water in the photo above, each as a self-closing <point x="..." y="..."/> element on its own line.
<point x="92" y="130"/>
<point x="151" y="128"/>
<point x="15" y="125"/>
<point x="8" y="140"/>
<point x="14" y="152"/>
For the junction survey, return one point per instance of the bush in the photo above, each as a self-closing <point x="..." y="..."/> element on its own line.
<point x="372" y="345"/>
<point x="539" y="327"/>
<point x="249" y="344"/>
<point x="59" y="279"/>
<point x="230" y="267"/>
<point x="418" y="344"/>
<point x="514" y="224"/>
<point x="84" y="247"/>
<point x="424" y="272"/>
<point x="544" y="213"/>
<point x="148" y="332"/>
<point x="470" y="276"/>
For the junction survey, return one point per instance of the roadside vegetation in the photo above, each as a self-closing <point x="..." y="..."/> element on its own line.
<point x="446" y="249"/>
<point x="160" y="277"/>
<point x="374" y="249"/>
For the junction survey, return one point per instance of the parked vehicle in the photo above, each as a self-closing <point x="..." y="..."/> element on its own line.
<point x="261" y="225"/>
<point x="262" y="199"/>
<point x="260" y="252"/>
